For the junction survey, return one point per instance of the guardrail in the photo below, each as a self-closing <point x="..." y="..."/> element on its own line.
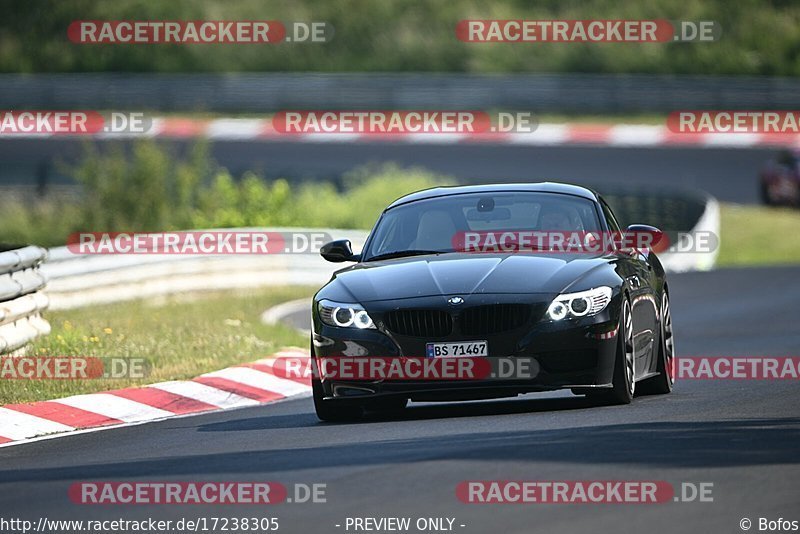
<point x="80" y="280"/>
<point x="273" y="91"/>
<point x="21" y="300"/>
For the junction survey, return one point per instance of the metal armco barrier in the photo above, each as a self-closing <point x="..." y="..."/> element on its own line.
<point x="76" y="280"/>
<point x="21" y="300"/>
<point x="268" y="92"/>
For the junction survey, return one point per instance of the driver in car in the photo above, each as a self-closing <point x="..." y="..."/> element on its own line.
<point x="555" y="220"/>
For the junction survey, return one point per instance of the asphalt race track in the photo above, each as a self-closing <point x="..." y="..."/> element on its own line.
<point x="742" y="436"/>
<point x="730" y="174"/>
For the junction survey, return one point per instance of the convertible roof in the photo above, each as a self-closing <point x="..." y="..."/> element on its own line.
<point x="538" y="187"/>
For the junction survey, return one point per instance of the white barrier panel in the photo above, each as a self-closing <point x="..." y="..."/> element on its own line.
<point x="21" y="302"/>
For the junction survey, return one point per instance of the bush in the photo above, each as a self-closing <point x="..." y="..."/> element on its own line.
<point x="150" y="188"/>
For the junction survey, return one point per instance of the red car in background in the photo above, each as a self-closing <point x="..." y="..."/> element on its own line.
<point x="780" y="180"/>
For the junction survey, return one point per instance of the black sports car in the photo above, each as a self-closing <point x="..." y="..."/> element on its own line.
<point x="593" y="319"/>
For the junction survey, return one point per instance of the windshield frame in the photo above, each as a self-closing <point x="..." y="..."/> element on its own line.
<point x="366" y="256"/>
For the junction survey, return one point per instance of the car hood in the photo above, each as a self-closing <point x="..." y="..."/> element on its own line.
<point x="460" y="274"/>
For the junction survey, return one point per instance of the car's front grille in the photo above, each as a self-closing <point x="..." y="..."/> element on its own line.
<point x="474" y="321"/>
<point x="493" y="318"/>
<point x="420" y="323"/>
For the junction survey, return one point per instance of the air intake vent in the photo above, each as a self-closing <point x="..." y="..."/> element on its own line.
<point x="493" y="318"/>
<point x="420" y="323"/>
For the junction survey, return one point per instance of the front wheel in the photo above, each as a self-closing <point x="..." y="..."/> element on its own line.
<point x="624" y="381"/>
<point x="334" y="411"/>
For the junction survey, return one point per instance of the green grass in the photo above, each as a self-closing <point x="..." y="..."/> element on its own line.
<point x="180" y="338"/>
<point x="758" y="235"/>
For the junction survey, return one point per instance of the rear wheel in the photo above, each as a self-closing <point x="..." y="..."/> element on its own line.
<point x="662" y="384"/>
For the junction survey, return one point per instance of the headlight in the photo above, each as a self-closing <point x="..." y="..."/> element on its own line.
<point x="344" y="315"/>
<point x="580" y="304"/>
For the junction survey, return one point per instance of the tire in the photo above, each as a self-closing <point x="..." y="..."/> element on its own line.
<point x="662" y="384"/>
<point x="332" y="410"/>
<point x="345" y="410"/>
<point x="624" y="383"/>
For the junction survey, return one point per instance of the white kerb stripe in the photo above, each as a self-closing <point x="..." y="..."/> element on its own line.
<point x="291" y="354"/>
<point x="268" y="362"/>
<point x="333" y="137"/>
<point x="545" y="134"/>
<point x="731" y="139"/>
<point x="115" y="407"/>
<point x="18" y="425"/>
<point x="235" y="128"/>
<point x="435" y="138"/>
<point x="634" y="134"/>
<point x="300" y="357"/>
<point x="156" y="127"/>
<point x="205" y="393"/>
<point x="260" y="380"/>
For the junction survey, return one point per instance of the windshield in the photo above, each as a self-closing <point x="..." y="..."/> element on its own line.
<point x="432" y="225"/>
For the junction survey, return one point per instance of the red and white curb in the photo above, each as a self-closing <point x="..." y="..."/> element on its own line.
<point x="251" y="384"/>
<point x="619" y="135"/>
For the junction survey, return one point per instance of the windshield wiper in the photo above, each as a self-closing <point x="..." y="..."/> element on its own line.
<point x="402" y="253"/>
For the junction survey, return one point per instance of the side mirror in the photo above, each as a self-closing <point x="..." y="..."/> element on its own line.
<point x="338" y="251"/>
<point x="645" y="237"/>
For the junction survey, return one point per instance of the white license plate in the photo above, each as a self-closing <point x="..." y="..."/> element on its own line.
<point x="457" y="349"/>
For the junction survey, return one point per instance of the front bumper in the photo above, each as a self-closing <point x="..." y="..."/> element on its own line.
<point x="573" y="353"/>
